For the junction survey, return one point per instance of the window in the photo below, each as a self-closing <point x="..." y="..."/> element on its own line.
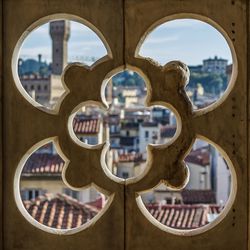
<point x="71" y="193"/>
<point x="29" y="194"/>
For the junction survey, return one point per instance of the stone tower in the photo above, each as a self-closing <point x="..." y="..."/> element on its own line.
<point x="59" y="32"/>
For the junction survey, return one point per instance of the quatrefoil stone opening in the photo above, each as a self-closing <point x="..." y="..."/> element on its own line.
<point x="154" y="95"/>
<point x="127" y="126"/>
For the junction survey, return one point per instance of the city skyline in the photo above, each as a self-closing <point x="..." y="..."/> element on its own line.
<point x="202" y="41"/>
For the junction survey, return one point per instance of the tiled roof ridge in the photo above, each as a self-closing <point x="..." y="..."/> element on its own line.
<point x="181" y="216"/>
<point x="199" y="156"/>
<point x="130" y="157"/>
<point x="86" y="125"/>
<point x="75" y="202"/>
<point x="182" y="205"/>
<point x="63" y="197"/>
<point x="59" y="211"/>
<point x="43" y="163"/>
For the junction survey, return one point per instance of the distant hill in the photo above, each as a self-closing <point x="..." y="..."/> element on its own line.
<point x="128" y="79"/>
<point x="211" y="82"/>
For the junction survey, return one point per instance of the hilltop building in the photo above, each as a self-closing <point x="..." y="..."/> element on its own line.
<point x="215" y="65"/>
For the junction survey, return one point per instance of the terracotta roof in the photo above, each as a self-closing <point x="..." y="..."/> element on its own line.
<point x="183" y="216"/>
<point x="168" y="131"/>
<point x="98" y="203"/>
<point x="86" y="126"/>
<point x="130" y="157"/>
<point x="200" y="156"/>
<point x="198" y="196"/>
<point x="60" y="211"/>
<point x="41" y="163"/>
<point x="149" y="124"/>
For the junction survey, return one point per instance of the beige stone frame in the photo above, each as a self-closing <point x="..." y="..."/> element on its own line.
<point x="123" y="23"/>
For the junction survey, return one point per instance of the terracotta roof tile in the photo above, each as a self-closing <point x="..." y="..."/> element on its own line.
<point x="43" y="163"/>
<point x="86" y="126"/>
<point x="200" y="156"/>
<point x="183" y="216"/>
<point x="198" y="196"/>
<point x="168" y="131"/>
<point x="98" y="203"/>
<point x="130" y="157"/>
<point x="60" y="211"/>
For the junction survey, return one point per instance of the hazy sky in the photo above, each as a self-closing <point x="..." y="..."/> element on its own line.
<point x="187" y="40"/>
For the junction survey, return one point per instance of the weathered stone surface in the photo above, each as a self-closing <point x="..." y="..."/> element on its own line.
<point x="123" y="226"/>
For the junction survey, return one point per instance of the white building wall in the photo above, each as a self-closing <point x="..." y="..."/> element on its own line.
<point x="199" y="177"/>
<point x="223" y="181"/>
<point x="125" y="169"/>
<point x="144" y="141"/>
<point x="58" y="187"/>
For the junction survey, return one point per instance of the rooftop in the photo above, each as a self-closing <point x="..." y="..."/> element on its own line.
<point x="42" y="164"/>
<point x="183" y="216"/>
<point x="198" y="196"/>
<point x="130" y="157"/>
<point x="86" y="126"/>
<point x="60" y="211"/>
<point x="216" y="58"/>
<point x="200" y="156"/>
<point x="168" y="131"/>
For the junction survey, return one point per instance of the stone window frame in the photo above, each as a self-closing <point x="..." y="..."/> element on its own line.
<point x="238" y="11"/>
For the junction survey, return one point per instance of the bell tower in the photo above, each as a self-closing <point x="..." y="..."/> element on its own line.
<point x="59" y="32"/>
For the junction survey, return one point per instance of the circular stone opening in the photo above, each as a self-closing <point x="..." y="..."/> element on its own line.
<point x="128" y="125"/>
<point x="42" y="54"/>
<point x="205" y="200"/>
<point x="203" y="48"/>
<point x="47" y="202"/>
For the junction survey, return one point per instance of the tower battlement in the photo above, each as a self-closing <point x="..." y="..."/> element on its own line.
<point x="59" y="32"/>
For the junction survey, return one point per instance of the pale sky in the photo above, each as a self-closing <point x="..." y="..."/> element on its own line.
<point x="187" y="40"/>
